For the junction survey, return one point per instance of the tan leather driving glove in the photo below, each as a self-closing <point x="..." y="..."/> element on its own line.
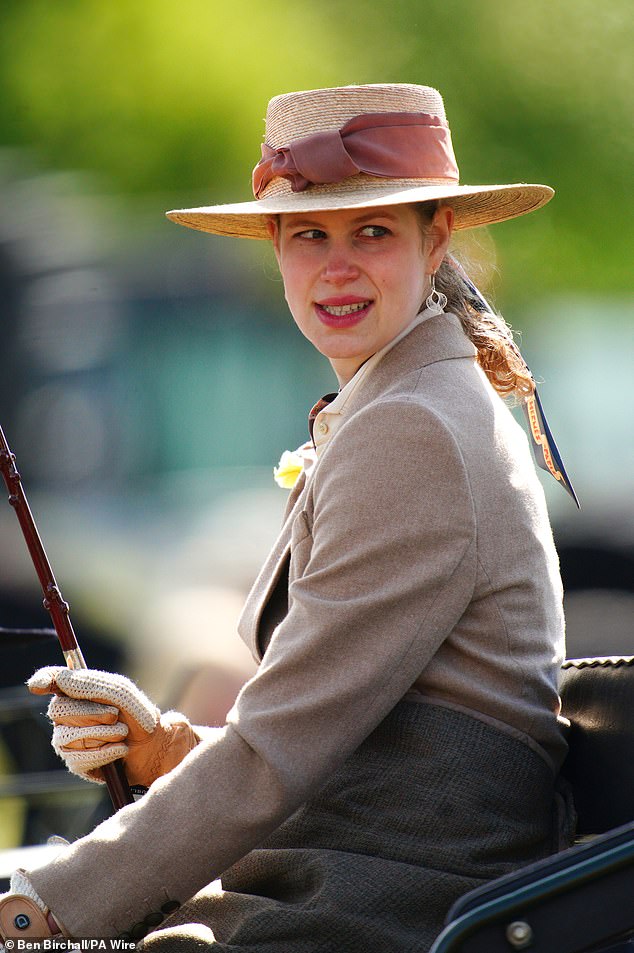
<point x="99" y="717"/>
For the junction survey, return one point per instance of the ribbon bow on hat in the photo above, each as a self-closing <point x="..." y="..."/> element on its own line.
<point x="383" y="144"/>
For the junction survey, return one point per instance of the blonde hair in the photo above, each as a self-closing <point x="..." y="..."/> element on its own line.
<point x="498" y="355"/>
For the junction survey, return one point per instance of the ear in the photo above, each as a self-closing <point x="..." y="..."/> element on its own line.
<point x="439" y="235"/>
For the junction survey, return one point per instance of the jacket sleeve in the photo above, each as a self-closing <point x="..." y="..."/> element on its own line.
<point x="383" y="566"/>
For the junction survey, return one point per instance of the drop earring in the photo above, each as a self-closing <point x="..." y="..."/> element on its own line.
<point x="436" y="301"/>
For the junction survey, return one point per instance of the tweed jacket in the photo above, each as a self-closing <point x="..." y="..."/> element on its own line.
<point x="418" y="561"/>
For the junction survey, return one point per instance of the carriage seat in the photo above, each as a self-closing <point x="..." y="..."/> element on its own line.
<point x="598" y="699"/>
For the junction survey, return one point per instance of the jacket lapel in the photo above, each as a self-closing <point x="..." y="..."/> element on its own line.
<point x="268" y="576"/>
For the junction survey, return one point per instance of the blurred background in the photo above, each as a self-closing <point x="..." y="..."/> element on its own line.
<point x="150" y="376"/>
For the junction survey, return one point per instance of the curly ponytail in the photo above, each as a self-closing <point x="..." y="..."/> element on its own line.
<point x="498" y="355"/>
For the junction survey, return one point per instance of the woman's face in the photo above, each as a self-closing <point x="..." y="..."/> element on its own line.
<point x="355" y="278"/>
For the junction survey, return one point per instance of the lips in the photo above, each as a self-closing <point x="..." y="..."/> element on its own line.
<point x="343" y="312"/>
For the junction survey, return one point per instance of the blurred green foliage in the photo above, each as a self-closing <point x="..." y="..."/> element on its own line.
<point x="158" y="96"/>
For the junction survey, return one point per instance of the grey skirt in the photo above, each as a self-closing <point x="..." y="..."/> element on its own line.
<point x="432" y="804"/>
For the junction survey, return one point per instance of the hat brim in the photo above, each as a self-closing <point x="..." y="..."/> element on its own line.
<point x="474" y="205"/>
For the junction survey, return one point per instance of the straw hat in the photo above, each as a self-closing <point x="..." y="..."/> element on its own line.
<point x="357" y="147"/>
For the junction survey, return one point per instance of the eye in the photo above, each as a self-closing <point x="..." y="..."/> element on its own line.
<point x="310" y="234"/>
<point x="374" y="231"/>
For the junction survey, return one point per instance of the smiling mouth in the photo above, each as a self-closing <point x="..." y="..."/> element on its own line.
<point x="339" y="310"/>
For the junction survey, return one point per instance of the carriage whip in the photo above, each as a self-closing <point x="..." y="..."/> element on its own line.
<point x="114" y="774"/>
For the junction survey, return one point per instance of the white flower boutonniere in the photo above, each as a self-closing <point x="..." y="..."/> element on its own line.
<point x="287" y="472"/>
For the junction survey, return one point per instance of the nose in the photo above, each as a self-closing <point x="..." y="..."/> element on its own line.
<point x="339" y="267"/>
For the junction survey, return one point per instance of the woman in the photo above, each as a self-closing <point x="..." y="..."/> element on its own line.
<point x="399" y="743"/>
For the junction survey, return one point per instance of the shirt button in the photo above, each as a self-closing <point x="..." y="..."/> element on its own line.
<point x="322" y="428"/>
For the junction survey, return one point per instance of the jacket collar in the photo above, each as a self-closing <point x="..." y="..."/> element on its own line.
<point x="432" y="338"/>
<point x="440" y="338"/>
